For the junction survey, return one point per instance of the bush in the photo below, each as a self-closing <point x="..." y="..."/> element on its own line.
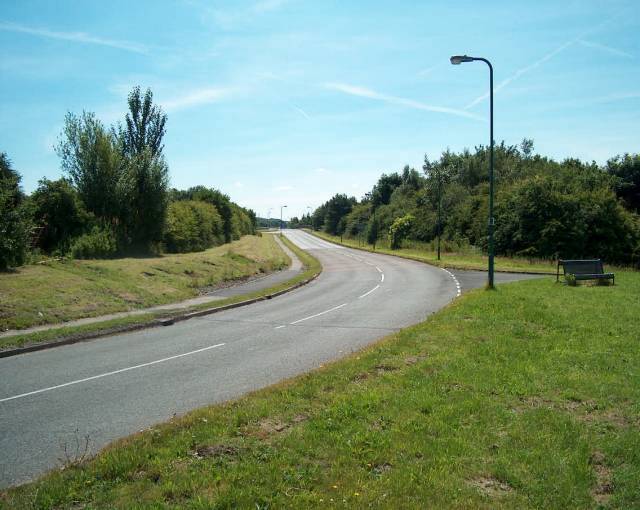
<point x="100" y="243"/>
<point x="193" y="225"/>
<point x="399" y="230"/>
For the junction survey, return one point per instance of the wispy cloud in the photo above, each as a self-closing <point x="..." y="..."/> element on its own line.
<point x="522" y="71"/>
<point x="228" y="19"/>
<point x="542" y="60"/>
<point x="409" y="103"/>
<point x="301" y="112"/>
<point x="427" y="71"/>
<point x="608" y="49"/>
<point x="195" y="98"/>
<point x="78" y="37"/>
<point x="283" y="188"/>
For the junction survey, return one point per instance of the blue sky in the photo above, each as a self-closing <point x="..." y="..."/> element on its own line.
<point x="290" y="101"/>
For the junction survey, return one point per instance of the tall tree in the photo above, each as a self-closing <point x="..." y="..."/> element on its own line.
<point x="145" y="176"/>
<point x="14" y="227"/>
<point x="145" y="125"/>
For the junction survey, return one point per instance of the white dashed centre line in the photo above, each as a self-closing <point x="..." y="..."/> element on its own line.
<point x="70" y="383"/>
<point x="318" y="314"/>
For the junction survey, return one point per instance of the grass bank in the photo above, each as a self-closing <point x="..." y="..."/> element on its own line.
<point x="311" y="268"/>
<point x="449" y="260"/>
<point x="61" y="290"/>
<point x="527" y="397"/>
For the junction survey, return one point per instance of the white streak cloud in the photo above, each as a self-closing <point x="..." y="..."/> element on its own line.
<point x="78" y="37"/>
<point x="409" y="103"/>
<point x="608" y="49"/>
<point x="195" y="98"/>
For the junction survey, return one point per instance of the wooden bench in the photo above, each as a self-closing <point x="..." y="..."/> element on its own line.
<point x="584" y="270"/>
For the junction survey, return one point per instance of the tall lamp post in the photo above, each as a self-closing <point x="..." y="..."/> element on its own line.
<point x="457" y="60"/>
<point x="281" y="207"/>
<point x="269" y="218"/>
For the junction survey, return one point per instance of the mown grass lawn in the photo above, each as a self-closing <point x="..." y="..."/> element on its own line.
<point x="468" y="260"/>
<point x="526" y="397"/>
<point x="59" y="291"/>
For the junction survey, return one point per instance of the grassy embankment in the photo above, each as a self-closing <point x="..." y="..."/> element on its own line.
<point x="175" y="277"/>
<point x="527" y="397"/>
<point x="463" y="260"/>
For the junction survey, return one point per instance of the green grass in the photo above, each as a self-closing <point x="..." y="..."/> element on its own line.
<point x="311" y="268"/>
<point x="526" y="397"/>
<point x="63" y="290"/>
<point x="462" y="260"/>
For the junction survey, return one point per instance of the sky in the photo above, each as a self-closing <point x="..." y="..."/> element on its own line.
<point x="287" y="102"/>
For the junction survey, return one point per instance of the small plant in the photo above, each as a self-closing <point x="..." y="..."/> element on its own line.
<point x="571" y="280"/>
<point x="75" y="455"/>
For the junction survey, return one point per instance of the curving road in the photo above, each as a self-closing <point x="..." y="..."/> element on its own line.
<point x="114" y="386"/>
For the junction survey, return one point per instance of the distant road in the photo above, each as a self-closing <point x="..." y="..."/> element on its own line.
<point x="112" y="387"/>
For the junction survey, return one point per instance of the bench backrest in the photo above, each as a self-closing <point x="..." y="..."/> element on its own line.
<point x="582" y="266"/>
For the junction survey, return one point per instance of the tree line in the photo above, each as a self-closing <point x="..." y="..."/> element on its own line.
<point x="543" y="208"/>
<point x="114" y="198"/>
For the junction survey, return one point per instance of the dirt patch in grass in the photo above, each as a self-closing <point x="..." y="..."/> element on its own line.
<point x="491" y="486"/>
<point x="216" y="451"/>
<point x="603" y="488"/>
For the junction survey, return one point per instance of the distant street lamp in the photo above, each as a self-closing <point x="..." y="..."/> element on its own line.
<point x="269" y="218"/>
<point x="457" y="60"/>
<point x="281" y="207"/>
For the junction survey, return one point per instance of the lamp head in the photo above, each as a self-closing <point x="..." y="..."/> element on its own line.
<point x="458" y="59"/>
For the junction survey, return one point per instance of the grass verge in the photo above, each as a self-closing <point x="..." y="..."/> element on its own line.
<point x="451" y="260"/>
<point x="62" y="290"/>
<point x="311" y="268"/>
<point x="528" y="397"/>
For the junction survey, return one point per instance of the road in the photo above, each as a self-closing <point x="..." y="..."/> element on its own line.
<point x="112" y="387"/>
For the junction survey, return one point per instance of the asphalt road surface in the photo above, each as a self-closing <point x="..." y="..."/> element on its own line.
<point x="112" y="387"/>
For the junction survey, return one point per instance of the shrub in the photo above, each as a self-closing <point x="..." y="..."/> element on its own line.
<point x="100" y="243"/>
<point x="399" y="230"/>
<point x="192" y="225"/>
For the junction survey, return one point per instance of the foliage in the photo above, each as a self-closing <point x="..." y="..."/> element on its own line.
<point x="59" y="213"/>
<point x="90" y="157"/>
<point x="399" y="230"/>
<point x="14" y="225"/>
<point x="100" y="243"/>
<point x="143" y="191"/>
<point x="144" y="126"/>
<point x="543" y="208"/>
<point x="626" y="172"/>
<point x="192" y="225"/>
<point x="337" y="207"/>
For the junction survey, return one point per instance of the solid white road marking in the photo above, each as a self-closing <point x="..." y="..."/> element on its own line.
<point x="367" y="293"/>
<point x="280" y="327"/>
<point x="381" y="277"/>
<point x="379" y="270"/>
<point x="110" y="373"/>
<point x="318" y="314"/>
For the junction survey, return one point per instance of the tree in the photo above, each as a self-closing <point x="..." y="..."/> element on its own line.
<point x="373" y="231"/>
<point x="337" y="207"/>
<point x="438" y="176"/>
<point x="145" y="125"/>
<point x="144" y="180"/>
<point x="143" y="192"/>
<point x="89" y="155"/>
<point x="626" y="171"/>
<point x="14" y="227"/>
<point x="59" y="212"/>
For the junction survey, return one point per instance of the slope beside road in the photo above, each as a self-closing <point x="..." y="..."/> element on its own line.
<point x="115" y="386"/>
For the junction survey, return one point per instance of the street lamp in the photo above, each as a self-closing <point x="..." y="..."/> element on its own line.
<point x="281" y="207"/>
<point x="269" y="218"/>
<point x="457" y="60"/>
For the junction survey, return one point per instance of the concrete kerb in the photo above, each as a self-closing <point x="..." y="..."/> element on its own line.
<point x="83" y="337"/>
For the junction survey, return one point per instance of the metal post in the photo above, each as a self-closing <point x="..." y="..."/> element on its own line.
<point x="491" y="218"/>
